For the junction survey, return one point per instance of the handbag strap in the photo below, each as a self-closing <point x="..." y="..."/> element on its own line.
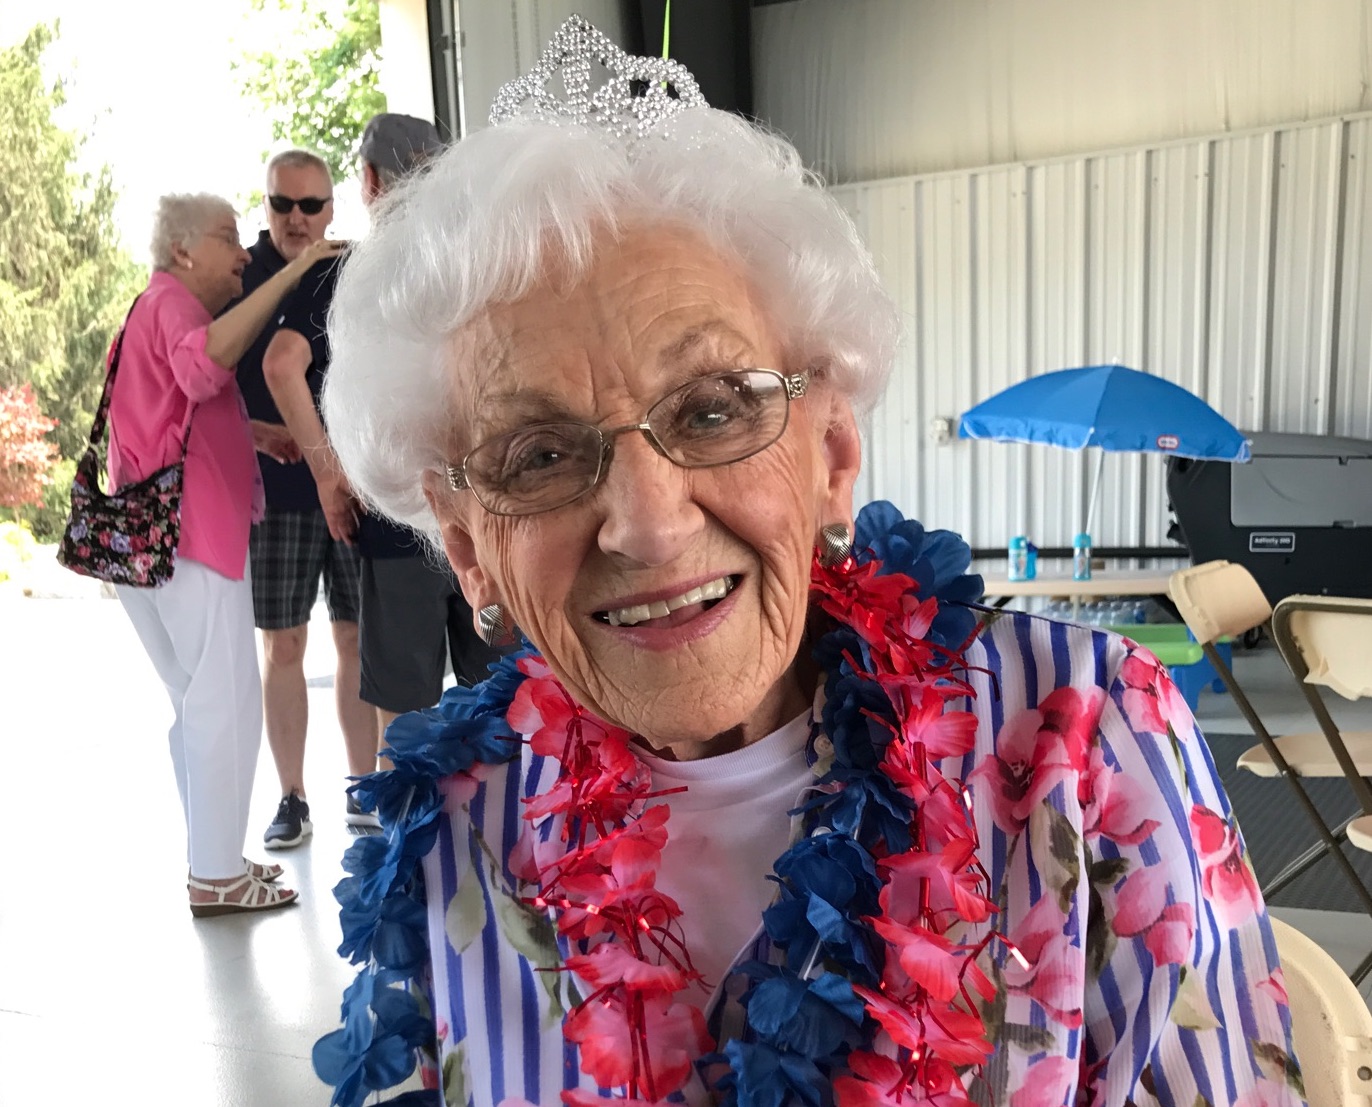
<point x="103" y="411"/>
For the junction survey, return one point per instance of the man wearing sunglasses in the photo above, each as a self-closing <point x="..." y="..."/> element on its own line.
<point x="311" y="514"/>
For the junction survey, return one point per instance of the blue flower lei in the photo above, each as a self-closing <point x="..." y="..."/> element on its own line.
<point x="800" y="1025"/>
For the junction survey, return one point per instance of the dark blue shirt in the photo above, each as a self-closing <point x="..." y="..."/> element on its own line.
<point x="288" y="487"/>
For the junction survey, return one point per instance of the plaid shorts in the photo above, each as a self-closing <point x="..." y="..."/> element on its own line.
<point x="290" y="550"/>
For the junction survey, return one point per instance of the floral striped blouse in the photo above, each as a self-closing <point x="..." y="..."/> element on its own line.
<point x="1147" y="971"/>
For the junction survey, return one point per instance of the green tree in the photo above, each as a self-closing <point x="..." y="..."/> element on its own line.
<point x="65" y="280"/>
<point x="319" y="92"/>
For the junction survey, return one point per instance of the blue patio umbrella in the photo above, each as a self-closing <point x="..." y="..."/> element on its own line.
<point x="1111" y="407"/>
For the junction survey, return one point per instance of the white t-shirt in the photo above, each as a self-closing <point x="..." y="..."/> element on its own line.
<point x="716" y="866"/>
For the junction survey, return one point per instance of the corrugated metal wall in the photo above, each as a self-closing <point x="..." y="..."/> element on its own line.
<point x="1239" y="267"/>
<point x="872" y="89"/>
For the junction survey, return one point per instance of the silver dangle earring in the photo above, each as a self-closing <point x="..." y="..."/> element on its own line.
<point x="835" y="544"/>
<point x="492" y="624"/>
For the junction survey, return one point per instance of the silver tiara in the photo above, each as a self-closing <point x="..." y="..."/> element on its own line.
<point x="635" y="100"/>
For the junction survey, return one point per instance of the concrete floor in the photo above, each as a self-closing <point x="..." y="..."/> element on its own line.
<point x="108" y="988"/>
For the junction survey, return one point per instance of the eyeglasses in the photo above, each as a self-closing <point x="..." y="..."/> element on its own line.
<point x="309" y="205"/>
<point x="714" y="420"/>
<point x="229" y="238"/>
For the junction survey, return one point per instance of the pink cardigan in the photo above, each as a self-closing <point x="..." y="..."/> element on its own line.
<point x="163" y="372"/>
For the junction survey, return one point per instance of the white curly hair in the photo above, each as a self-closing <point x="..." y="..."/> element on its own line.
<point x="480" y="224"/>
<point x="180" y="220"/>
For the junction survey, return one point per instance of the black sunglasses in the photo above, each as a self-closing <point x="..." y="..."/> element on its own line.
<point x="309" y="205"/>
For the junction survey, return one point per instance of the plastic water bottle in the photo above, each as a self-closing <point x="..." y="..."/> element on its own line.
<point x="1019" y="558"/>
<point x="1031" y="562"/>
<point x="1081" y="557"/>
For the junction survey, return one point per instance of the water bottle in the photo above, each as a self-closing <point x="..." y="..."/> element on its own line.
<point x="1081" y="557"/>
<point x="1031" y="562"/>
<point x="1019" y="558"/>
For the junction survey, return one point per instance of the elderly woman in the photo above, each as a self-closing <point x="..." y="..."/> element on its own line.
<point x="175" y="389"/>
<point x="764" y="812"/>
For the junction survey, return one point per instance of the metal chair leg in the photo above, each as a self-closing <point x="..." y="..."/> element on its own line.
<point x="1306" y="860"/>
<point x="1330" y="843"/>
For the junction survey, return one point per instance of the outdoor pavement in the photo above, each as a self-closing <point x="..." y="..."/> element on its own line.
<point x="109" y="990"/>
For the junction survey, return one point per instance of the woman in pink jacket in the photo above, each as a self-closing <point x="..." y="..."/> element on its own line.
<point x="177" y="369"/>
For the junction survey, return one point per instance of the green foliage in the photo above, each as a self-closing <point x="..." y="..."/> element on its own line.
<point x="320" y="91"/>
<point x="65" y="282"/>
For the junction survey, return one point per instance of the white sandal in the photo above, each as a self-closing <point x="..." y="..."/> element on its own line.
<point x="254" y="895"/>
<point x="267" y="873"/>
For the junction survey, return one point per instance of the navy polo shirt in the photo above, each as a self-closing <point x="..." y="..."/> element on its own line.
<point x="288" y="487"/>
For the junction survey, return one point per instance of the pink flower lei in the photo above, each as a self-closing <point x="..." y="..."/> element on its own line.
<point x="916" y="982"/>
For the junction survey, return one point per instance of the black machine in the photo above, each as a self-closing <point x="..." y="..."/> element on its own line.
<point x="1298" y="516"/>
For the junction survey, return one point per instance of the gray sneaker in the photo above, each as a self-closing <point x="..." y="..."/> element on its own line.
<point x="292" y="823"/>
<point x="357" y="817"/>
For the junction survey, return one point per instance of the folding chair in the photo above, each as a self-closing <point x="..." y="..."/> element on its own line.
<point x="1330" y="1023"/>
<point x="1218" y="598"/>
<point x="1326" y="642"/>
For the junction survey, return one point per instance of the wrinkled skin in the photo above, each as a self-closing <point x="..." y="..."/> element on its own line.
<point x="211" y="267"/>
<point x="658" y="307"/>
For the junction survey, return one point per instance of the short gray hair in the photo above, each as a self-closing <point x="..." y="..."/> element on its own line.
<point x="181" y="218"/>
<point x="298" y="159"/>
<point x="478" y="227"/>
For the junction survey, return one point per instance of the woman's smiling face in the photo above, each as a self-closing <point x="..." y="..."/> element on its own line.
<point x="658" y="308"/>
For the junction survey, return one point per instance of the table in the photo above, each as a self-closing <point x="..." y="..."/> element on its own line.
<point x="1103" y="582"/>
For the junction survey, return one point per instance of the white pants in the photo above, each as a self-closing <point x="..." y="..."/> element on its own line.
<point x="198" y="632"/>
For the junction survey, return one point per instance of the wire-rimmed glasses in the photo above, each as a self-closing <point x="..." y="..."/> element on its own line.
<point x="710" y="421"/>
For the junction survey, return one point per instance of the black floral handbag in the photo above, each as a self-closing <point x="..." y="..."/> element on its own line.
<point x="130" y="536"/>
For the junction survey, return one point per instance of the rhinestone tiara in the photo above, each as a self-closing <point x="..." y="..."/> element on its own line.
<point x="636" y="99"/>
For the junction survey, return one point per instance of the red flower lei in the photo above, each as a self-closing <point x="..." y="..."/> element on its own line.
<point x="633" y="1030"/>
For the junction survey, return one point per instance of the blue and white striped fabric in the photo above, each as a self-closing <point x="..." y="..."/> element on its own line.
<point x="1121" y="879"/>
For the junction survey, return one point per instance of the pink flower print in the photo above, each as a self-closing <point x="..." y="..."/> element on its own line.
<point x="1269" y="1093"/>
<point x="1141" y="909"/>
<point x="459" y="788"/>
<point x="1169" y="939"/>
<point x="1047" y="1083"/>
<point x="1035" y="750"/>
<point x="1055" y="975"/>
<point x="1226" y="880"/>
<point x="1114" y="805"/>
<point x="1274" y="987"/>
<point x="1150" y="697"/>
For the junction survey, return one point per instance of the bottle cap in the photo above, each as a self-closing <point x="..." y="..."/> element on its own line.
<point x="1082" y="540"/>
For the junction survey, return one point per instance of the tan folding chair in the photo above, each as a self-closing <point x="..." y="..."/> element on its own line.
<point x="1326" y="642"/>
<point x="1330" y="1023"/>
<point x="1219" y="598"/>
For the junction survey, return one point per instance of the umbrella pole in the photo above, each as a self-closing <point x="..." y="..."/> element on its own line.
<point x="1095" y="491"/>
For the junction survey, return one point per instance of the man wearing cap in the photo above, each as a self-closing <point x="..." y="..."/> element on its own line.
<point x="413" y="616"/>
<point x="295" y="545"/>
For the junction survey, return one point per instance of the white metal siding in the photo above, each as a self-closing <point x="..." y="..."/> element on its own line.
<point x="869" y="89"/>
<point x="1239" y="267"/>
